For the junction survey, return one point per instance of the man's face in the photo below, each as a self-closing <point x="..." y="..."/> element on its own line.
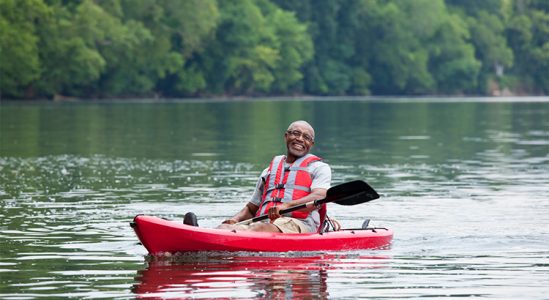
<point x="299" y="140"/>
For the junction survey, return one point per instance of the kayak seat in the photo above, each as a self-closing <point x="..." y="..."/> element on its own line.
<point x="190" y="219"/>
<point x="327" y="223"/>
<point x="322" y="212"/>
<point x="330" y="224"/>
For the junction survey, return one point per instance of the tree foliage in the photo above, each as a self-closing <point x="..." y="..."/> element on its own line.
<point x="194" y="48"/>
<point x="19" y="53"/>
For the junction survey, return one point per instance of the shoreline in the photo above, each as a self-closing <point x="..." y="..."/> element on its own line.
<point x="397" y="98"/>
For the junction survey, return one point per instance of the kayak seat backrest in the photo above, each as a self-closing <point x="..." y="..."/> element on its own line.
<point x="322" y="212"/>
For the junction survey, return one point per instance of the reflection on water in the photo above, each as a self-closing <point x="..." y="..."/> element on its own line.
<point x="463" y="186"/>
<point x="305" y="276"/>
<point x="286" y="276"/>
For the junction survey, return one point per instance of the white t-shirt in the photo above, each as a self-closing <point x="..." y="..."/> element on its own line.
<point x="321" y="175"/>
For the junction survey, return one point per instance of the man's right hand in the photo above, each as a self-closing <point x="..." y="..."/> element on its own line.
<point x="229" y="221"/>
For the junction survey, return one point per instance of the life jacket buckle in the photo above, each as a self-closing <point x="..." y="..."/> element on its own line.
<point x="277" y="199"/>
<point x="279" y="186"/>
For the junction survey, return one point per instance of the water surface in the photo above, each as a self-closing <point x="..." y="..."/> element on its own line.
<point x="464" y="185"/>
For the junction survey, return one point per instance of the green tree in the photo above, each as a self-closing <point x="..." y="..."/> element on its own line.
<point x="333" y="26"/>
<point x="528" y="33"/>
<point x="144" y="48"/>
<point x="418" y="47"/>
<point x="181" y="30"/>
<point x="452" y="59"/>
<point x="238" y="60"/>
<point x="258" y="48"/>
<point x="294" y="47"/>
<point x="491" y="45"/>
<point x="398" y="61"/>
<point x="486" y="21"/>
<point x="19" y="53"/>
<point x="473" y="7"/>
<point x="68" y="53"/>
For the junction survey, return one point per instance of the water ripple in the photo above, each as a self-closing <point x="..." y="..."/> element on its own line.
<point x="466" y="225"/>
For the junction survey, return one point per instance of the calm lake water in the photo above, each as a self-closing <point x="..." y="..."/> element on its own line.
<point x="464" y="184"/>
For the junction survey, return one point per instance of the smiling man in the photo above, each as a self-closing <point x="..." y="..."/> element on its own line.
<point x="292" y="179"/>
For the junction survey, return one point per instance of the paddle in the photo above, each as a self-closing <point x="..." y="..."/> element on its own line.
<point x="350" y="193"/>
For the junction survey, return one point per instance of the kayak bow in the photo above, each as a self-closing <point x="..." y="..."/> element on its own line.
<point x="159" y="236"/>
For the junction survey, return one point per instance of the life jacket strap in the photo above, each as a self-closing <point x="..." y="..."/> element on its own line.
<point x="274" y="200"/>
<point x="289" y="186"/>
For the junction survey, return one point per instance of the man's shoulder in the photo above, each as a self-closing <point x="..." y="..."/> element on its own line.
<point x="319" y="163"/>
<point x="319" y="167"/>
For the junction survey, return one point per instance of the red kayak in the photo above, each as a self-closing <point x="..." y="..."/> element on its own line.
<point x="160" y="236"/>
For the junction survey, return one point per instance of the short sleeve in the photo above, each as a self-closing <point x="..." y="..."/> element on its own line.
<point x="258" y="192"/>
<point x="321" y="174"/>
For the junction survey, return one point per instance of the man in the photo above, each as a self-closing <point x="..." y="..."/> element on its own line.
<point x="292" y="179"/>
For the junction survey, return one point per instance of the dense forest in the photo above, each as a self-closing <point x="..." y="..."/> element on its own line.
<point x="208" y="48"/>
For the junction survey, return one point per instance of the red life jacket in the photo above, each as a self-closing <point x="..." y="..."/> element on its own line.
<point x="287" y="184"/>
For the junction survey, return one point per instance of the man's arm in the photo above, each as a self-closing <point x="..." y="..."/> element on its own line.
<point x="245" y="213"/>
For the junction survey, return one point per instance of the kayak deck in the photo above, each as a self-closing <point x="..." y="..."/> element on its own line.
<point x="159" y="236"/>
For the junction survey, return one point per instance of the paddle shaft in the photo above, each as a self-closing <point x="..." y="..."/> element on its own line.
<point x="350" y="193"/>
<point x="285" y="211"/>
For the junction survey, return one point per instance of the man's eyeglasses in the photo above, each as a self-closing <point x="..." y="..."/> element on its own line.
<point x="297" y="133"/>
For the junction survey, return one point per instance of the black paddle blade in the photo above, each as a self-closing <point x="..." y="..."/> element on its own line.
<point x="351" y="193"/>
